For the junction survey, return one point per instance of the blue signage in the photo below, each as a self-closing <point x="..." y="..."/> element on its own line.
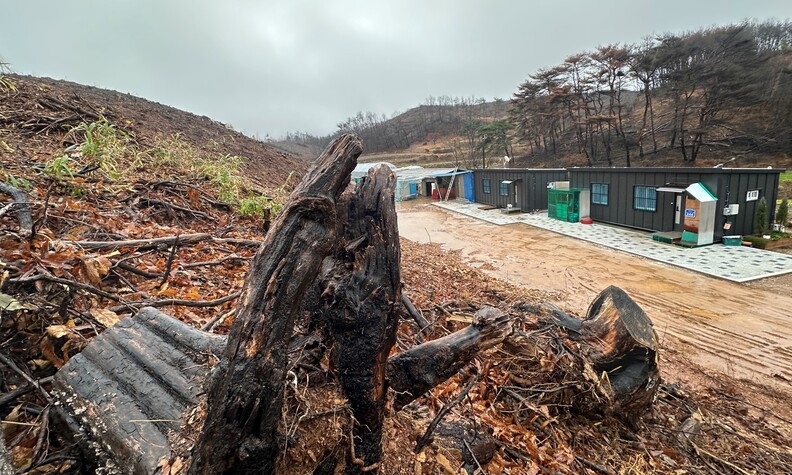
<point x="690" y="213"/>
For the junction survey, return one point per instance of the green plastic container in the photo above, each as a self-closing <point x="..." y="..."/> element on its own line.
<point x="732" y="240"/>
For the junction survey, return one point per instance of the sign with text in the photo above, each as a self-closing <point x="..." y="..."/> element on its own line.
<point x="690" y="213"/>
<point x="752" y="195"/>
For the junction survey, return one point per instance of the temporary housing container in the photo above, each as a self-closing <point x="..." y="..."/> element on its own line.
<point x="659" y="199"/>
<point x="522" y="188"/>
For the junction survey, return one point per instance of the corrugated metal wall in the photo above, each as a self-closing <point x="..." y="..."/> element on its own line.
<point x="532" y="184"/>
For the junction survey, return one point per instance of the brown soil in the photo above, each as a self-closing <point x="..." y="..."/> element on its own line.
<point x="738" y="330"/>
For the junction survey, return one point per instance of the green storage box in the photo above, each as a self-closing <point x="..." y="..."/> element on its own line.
<point x="732" y="240"/>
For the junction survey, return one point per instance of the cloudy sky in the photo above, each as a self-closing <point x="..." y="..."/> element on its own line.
<point x="268" y="67"/>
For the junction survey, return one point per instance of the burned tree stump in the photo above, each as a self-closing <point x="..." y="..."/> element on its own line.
<point x="362" y="301"/>
<point x="246" y="397"/>
<point x="619" y="341"/>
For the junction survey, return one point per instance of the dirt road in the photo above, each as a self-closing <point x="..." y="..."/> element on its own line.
<point x="742" y="331"/>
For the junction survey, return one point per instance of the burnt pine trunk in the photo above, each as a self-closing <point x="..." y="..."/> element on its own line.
<point x="362" y="304"/>
<point x="246" y="395"/>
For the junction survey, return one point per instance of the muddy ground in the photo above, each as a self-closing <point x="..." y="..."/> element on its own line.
<point x="739" y="330"/>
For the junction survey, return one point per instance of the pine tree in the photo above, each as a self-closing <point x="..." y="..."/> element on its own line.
<point x="782" y="216"/>
<point x="760" y="224"/>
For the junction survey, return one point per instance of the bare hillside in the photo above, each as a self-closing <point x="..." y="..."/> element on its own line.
<point x="43" y="111"/>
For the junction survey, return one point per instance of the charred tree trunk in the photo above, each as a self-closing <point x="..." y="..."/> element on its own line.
<point x="362" y="298"/>
<point x="419" y="369"/>
<point x="619" y="347"/>
<point x="246" y="395"/>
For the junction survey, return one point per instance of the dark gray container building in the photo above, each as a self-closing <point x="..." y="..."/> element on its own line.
<point x="654" y="198"/>
<point x="523" y="188"/>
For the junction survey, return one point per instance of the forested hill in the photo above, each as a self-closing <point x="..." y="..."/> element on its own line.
<point x="672" y="99"/>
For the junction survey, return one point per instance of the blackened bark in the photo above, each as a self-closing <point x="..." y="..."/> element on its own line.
<point x="22" y="208"/>
<point x="362" y="297"/>
<point x="618" y="340"/>
<point x="419" y="369"/>
<point x="245" y="397"/>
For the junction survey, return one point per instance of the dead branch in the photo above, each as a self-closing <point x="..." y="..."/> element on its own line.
<point x="169" y="264"/>
<point x="415" y="371"/>
<point x="144" y="243"/>
<point x="171" y="207"/>
<point x="130" y="268"/>
<point x="37" y="384"/>
<point x="416" y="314"/>
<point x="22" y="208"/>
<point x="23" y="389"/>
<point x="67" y="282"/>
<point x="215" y="261"/>
<point x="217" y="319"/>
<point x="176" y="302"/>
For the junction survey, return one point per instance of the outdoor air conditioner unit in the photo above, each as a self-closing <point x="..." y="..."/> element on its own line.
<point x="731" y="210"/>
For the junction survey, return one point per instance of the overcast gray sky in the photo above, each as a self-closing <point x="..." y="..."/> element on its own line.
<point x="269" y="67"/>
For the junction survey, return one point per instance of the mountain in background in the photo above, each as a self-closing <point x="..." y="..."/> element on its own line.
<point x="692" y="99"/>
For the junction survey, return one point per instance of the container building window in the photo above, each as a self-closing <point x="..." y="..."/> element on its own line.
<point x="645" y="198"/>
<point x="504" y="188"/>
<point x="599" y="193"/>
<point x="485" y="184"/>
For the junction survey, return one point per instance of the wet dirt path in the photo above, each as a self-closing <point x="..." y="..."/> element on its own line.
<point x="741" y="331"/>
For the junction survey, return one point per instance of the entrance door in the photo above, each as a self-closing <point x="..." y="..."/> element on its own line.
<point x="679" y="212"/>
<point x="517" y="194"/>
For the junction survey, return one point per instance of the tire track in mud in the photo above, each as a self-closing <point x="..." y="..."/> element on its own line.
<point x="739" y="330"/>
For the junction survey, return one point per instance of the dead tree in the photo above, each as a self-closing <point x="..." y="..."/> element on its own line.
<point x="246" y="396"/>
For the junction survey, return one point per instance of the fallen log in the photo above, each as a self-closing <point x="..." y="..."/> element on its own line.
<point x="122" y="395"/>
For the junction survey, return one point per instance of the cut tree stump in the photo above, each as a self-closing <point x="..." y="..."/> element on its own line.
<point x="131" y="385"/>
<point x="621" y="344"/>
<point x="618" y="347"/>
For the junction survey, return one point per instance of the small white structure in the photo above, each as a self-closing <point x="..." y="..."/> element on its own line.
<point x="700" y="212"/>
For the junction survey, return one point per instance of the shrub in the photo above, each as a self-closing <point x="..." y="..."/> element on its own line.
<point x="758" y="241"/>
<point x="761" y="221"/>
<point x="782" y="216"/>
